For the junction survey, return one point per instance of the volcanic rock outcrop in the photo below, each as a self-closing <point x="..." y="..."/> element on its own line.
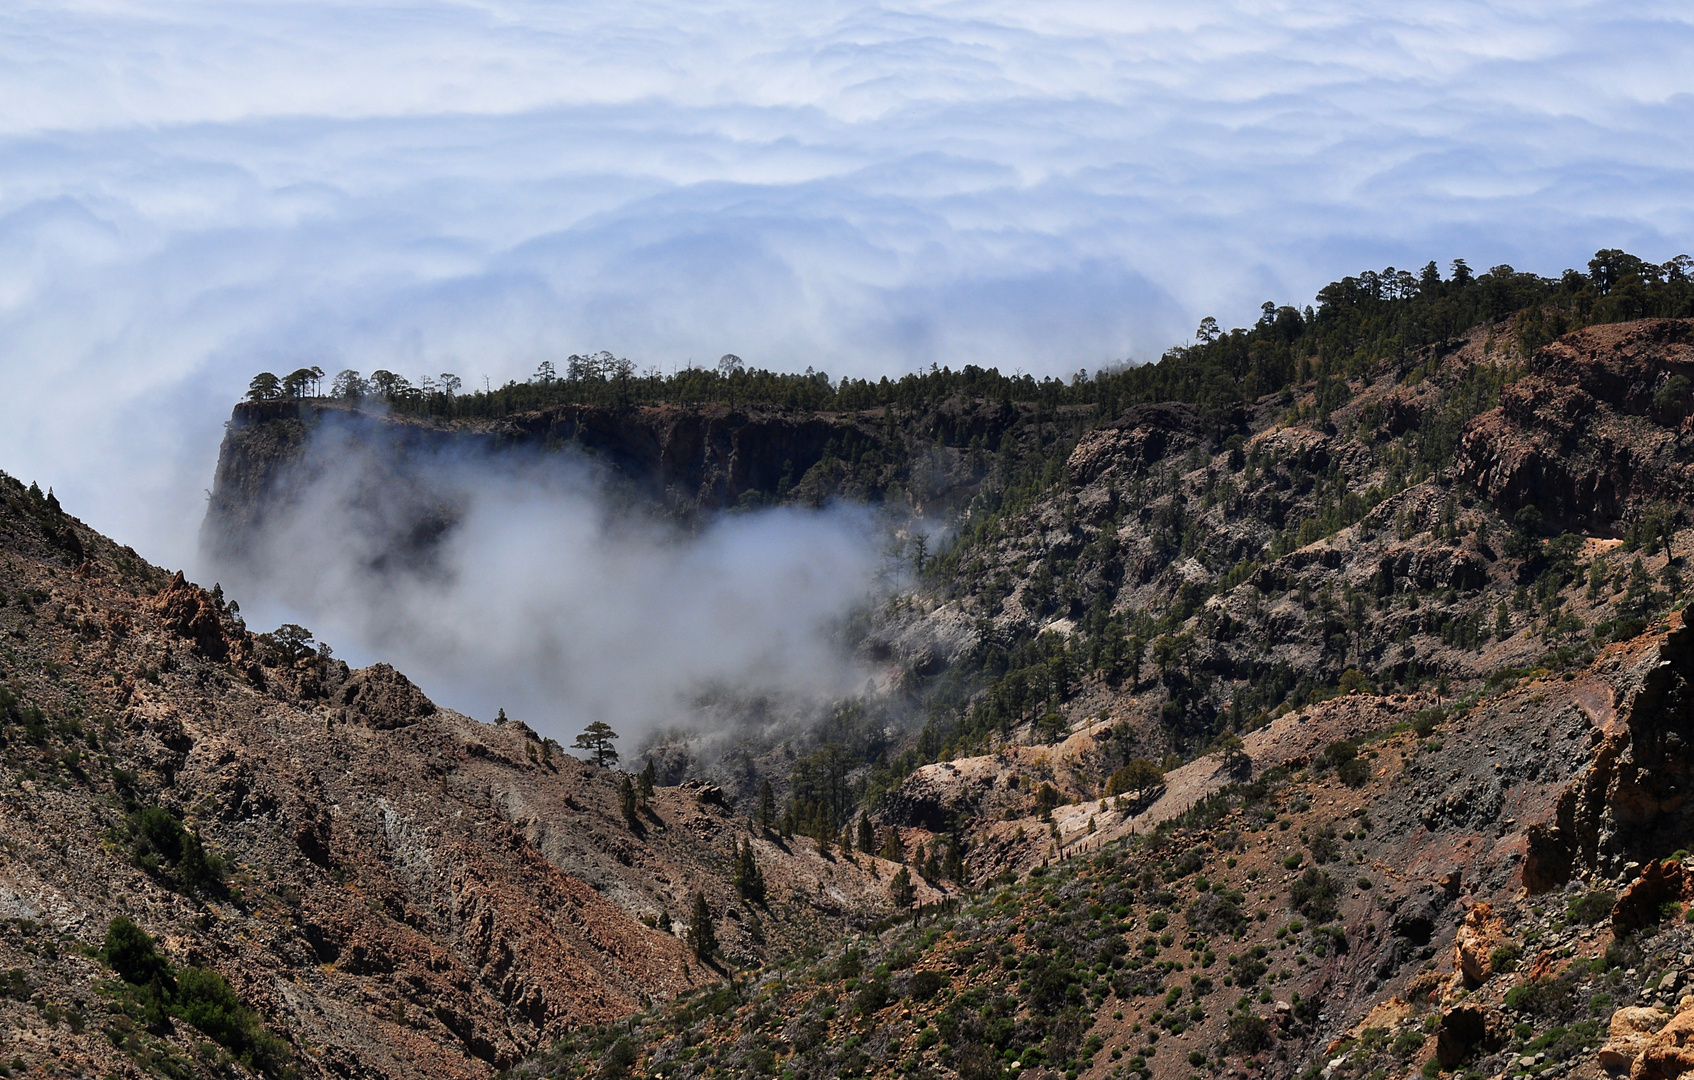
<point x="1594" y="430"/>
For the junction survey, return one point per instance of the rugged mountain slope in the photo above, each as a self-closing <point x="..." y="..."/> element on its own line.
<point x="1164" y="574"/>
<point x="1361" y="915"/>
<point x="403" y="891"/>
<point x="1387" y="592"/>
<point x="1409" y="535"/>
<point x="1594" y="432"/>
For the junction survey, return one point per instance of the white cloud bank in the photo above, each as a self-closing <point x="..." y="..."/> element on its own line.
<point x="192" y="191"/>
<point x="540" y="601"/>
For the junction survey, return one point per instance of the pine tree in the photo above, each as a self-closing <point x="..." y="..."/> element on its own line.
<point x="598" y="740"/>
<point x="767" y="806"/>
<point x="867" y="836"/>
<point x="894" y="848"/>
<point x="648" y="776"/>
<point x="626" y="799"/>
<point x="749" y="880"/>
<point x="953" y="864"/>
<point x="900" y="888"/>
<point x="701" y="937"/>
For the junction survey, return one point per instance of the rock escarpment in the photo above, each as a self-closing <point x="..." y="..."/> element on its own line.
<point x="1631" y="804"/>
<point x="1594" y="430"/>
<point x="280" y="459"/>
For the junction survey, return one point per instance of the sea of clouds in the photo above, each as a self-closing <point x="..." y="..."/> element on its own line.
<point x="191" y="192"/>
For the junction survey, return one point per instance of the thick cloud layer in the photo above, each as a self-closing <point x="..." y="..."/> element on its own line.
<point x="541" y="599"/>
<point x="192" y="191"/>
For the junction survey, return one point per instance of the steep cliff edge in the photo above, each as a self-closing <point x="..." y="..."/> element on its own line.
<point x="681" y="461"/>
<point x="1631" y="804"/>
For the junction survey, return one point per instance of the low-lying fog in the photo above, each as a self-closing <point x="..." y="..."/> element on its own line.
<point x="554" y="594"/>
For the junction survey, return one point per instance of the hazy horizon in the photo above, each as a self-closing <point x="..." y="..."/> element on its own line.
<point x="191" y="193"/>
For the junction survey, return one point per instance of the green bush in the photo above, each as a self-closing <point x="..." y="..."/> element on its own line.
<point x="1323" y="846"/>
<point x="1545" y="997"/>
<point x="1504" y="958"/>
<point x="1246" y="1034"/>
<point x="1190" y="862"/>
<point x="1354" y="773"/>
<point x="926" y="984"/>
<point x="130" y="952"/>
<point x="1246" y="970"/>
<point x="1314" y="895"/>
<point x="15" y="985"/>
<point x="619" y="1059"/>
<point x="1591" y="907"/>
<point x="872" y="996"/>
<point x="194" y="995"/>
<point x="205" y="1000"/>
<point x="160" y="845"/>
<point x="1408" y="1043"/>
<point x="1621" y="954"/>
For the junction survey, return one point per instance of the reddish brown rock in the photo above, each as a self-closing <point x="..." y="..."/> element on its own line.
<point x="384" y="699"/>
<point x="1628" y="1034"/>
<point x="1662" y="881"/>
<point x="1478" y="936"/>
<point x="1579" y="437"/>
<point x="1467" y="1029"/>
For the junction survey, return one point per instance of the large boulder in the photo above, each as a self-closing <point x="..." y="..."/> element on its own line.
<point x="1466" y="1029"/>
<point x="1667" y="1054"/>
<point x="1478" y="936"/>
<point x="384" y="699"/>
<point x="1662" y="881"/>
<point x="1630" y="1031"/>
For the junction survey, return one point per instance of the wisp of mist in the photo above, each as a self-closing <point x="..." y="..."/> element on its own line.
<point x="536" y="583"/>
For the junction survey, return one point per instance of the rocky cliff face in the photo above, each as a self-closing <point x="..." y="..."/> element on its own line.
<point x="1595" y="430"/>
<point x="681" y="461"/>
<point x="1630" y="805"/>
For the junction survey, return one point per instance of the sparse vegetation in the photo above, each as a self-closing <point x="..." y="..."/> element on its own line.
<point x="151" y="991"/>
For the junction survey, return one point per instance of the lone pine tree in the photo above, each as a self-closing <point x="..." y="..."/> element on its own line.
<point x="701" y="937"/>
<point x="749" y="880"/>
<point x="597" y="740"/>
<point x="647" y="778"/>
